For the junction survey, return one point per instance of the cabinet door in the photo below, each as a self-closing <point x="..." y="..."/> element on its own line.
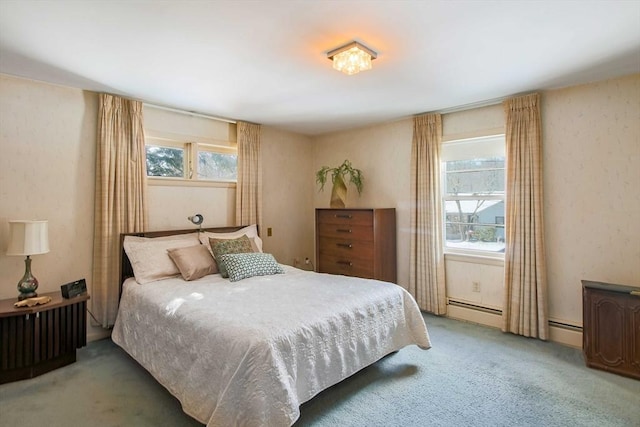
<point x="633" y="311"/>
<point x="607" y="315"/>
<point x="16" y="346"/>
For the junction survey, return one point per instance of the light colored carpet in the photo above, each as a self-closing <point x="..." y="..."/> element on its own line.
<point x="473" y="376"/>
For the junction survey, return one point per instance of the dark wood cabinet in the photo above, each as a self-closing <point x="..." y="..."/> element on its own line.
<point x="357" y="242"/>
<point x="611" y="327"/>
<point x="35" y="340"/>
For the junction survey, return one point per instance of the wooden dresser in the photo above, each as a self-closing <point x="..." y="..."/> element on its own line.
<point x="357" y="242"/>
<point x="611" y="327"/>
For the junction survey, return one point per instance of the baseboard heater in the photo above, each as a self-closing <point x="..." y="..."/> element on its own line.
<point x="552" y="323"/>
<point x="463" y="304"/>
<point x="567" y="326"/>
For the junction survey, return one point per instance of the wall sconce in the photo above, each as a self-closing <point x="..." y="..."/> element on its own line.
<point x="196" y="219"/>
<point x="352" y="58"/>
<point x="28" y="238"/>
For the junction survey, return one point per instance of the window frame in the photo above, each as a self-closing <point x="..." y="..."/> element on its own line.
<point x="191" y="149"/>
<point x="486" y="147"/>
<point x="168" y="143"/>
<point x="212" y="148"/>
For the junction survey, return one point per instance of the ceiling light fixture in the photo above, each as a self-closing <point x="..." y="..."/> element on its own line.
<point x="352" y="58"/>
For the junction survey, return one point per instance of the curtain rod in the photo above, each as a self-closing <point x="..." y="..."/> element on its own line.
<point x="471" y="106"/>
<point x="481" y="104"/>
<point x="189" y="113"/>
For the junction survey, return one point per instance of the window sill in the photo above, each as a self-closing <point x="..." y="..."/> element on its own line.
<point x="497" y="260"/>
<point x="180" y="182"/>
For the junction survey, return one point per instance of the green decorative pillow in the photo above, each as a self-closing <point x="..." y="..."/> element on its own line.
<point x="242" y="266"/>
<point x="221" y="247"/>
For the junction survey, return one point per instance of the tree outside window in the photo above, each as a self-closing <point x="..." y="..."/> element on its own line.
<point x="165" y="161"/>
<point x="190" y="160"/>
<point x="473" y="202"/>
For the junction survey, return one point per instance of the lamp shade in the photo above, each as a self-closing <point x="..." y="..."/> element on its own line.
<point x="28" y="238"/>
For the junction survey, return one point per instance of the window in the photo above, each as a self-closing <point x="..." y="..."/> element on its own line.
<point x="193" y="161"/>
<point x="165" y="161"/>
<point x="473" y="195"/>
<point x="217" y="163"/>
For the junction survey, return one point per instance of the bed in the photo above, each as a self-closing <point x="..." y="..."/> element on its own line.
<point x="250" y="352"/>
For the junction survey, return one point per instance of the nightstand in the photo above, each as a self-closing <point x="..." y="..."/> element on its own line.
<point x="35" y="340"/>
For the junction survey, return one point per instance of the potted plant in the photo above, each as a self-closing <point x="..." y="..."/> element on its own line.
<point x="339" y="190"/>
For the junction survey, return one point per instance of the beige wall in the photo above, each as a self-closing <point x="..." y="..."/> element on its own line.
<point x="287" y="195"/>
<point x="462" y="271"/>
<point x="592" y="188"/>
<point x="383" y="153"/>
<point x="188" y="127"/>
<point x="171" y="202"/>
<point x="592" y="170"/>
<point x="286" y="160"/>
<point x="171" y="205"/>
<point x="483" y="121"/>
<point x="47" y="171"/>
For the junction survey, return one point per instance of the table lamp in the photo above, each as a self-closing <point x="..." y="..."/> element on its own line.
<point x="27" y="238"/>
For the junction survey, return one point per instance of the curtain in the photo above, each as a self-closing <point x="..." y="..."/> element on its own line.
<point x="120" y="197"/>
<point x="525" y="298"/>
<point x="426" y="271"/>
<point x="249" y="186"/>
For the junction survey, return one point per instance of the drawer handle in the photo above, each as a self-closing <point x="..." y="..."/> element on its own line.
<point x="345" y="245"/>
<point x="344" y="216"/>
<point x="343" y="230"/>
<point x="635" y="293"/>
<point x="350" y="264"/>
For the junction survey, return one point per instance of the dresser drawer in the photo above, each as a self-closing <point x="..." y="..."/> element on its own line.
<point x="353" y="232"/>
<point x="346" y="248"/>
<point x="346" y="266"/>
<point x="344" y="216"/>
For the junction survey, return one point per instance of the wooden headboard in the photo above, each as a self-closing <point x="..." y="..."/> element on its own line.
<point x="125" y="265"/>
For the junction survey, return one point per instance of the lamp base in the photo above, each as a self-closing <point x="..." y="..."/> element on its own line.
<point x="25" y="296"/>
<point x="28" y="284"/>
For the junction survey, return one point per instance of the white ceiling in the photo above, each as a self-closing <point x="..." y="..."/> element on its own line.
<point x="265" y="61"/>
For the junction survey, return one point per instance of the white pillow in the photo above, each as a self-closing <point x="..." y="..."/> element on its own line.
<point x="149" y="257"/>
<point x="251" y="231"/>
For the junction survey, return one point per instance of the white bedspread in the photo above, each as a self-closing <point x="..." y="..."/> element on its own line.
<point x="249" y="353"/>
